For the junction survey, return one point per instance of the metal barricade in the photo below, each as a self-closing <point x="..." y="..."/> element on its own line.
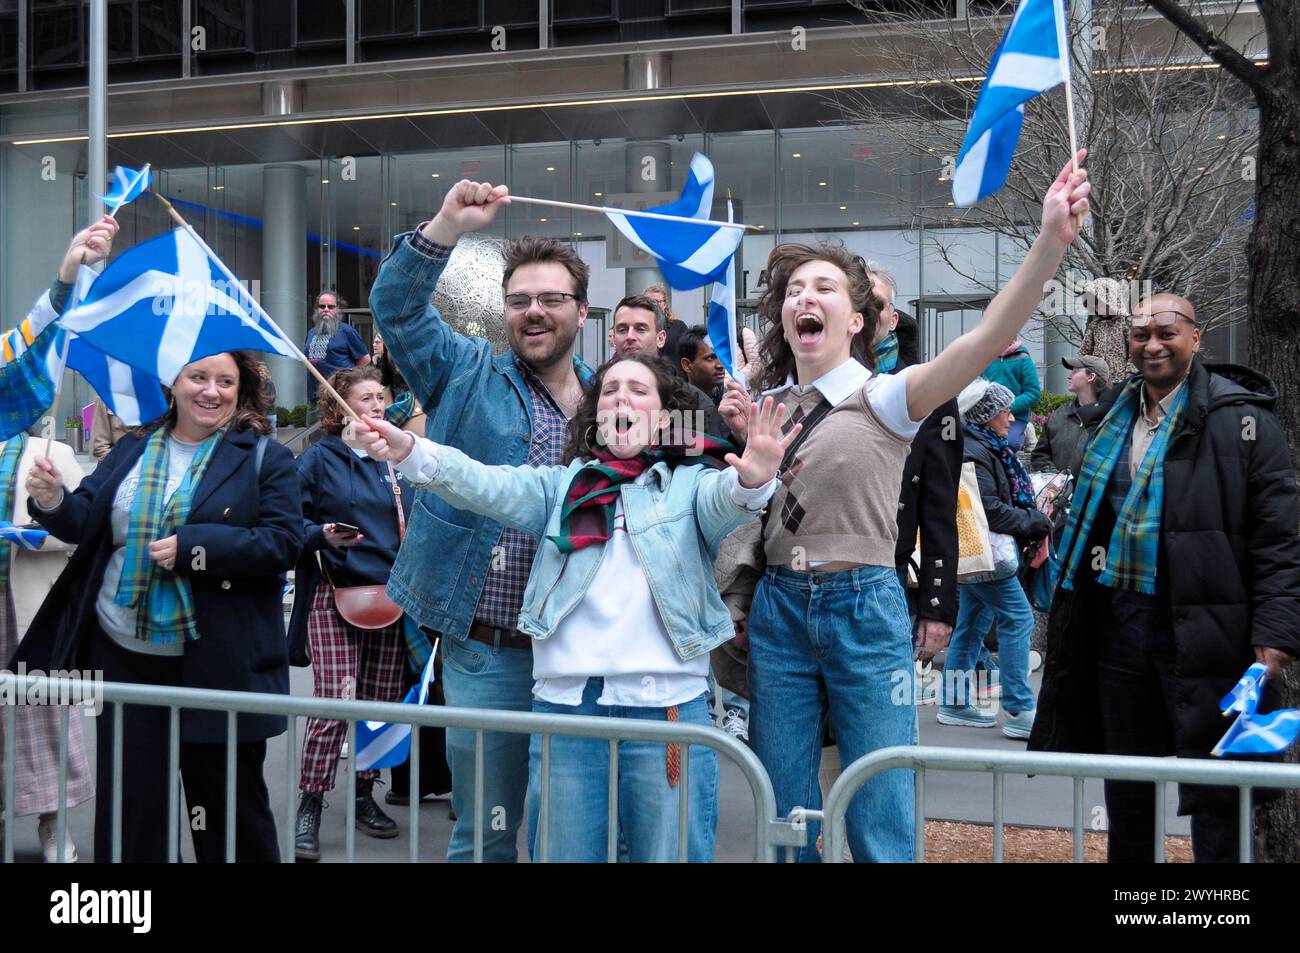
<point x="1244" y="775"/>
<point x="768" y="830"/>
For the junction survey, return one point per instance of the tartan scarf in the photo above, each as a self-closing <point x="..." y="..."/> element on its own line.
<point x="1135" y="542"/>
<point x="164" y="601"/>
<point x="399" y="411"/>
<point x="9" y="460"/>
<point x="1022" y="488"/>
<point x="887" y="353"/>
<point x="587" y="516"/>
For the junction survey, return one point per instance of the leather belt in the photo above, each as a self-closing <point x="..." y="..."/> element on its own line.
<point x="509" y="638"/>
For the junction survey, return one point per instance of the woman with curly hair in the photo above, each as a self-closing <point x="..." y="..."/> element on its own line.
<point x="621" y="602"/>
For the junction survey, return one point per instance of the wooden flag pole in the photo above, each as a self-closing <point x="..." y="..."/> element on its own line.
<point x="348" y="412"/>
<point x="67" y="337"/>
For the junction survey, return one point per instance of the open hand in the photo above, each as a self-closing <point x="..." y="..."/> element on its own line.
<point x="1066" y="204"/>
<point x="468" y="207"/>
<point x="766" y="446"/>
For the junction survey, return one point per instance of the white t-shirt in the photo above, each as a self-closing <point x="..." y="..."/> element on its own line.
<point x="120" y="621"/>
<point x="887" y="393"/>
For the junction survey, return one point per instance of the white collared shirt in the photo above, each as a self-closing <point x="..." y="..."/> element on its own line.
<point x="886" y="392"/>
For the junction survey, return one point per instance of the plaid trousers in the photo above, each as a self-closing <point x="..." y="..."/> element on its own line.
<point x="351" y="663"/>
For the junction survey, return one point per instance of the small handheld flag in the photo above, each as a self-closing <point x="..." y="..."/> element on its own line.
<point x="1244" y="696"/>
<point x="1260" y="734"/>
<point x="381" y="744"/>
<point x="721" y="321"/>
<point x="24" y="537"/>
<point x="689" y="255"/>
<point x="127" y="185"/>
<point x="1032" y="58"/>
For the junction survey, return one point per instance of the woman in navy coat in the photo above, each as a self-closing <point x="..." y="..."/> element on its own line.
<point x="242" y="530"/>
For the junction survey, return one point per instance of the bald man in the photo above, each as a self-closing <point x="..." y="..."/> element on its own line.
<point x="1180" y="567"/>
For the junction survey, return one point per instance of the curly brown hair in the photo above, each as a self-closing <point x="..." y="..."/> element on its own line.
<point x="252" y="403"/>
<point x="673" y="395"/>
<point x="775" y="353"/>
<point x="331" y="414"/>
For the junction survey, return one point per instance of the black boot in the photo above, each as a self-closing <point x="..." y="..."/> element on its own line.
<point x="306" y="844"/>
<point x="370" y="818"/>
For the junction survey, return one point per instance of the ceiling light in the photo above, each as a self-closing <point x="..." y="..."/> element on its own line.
<point x="1221" y="138"/>
<point x="324" y="181"/>
<point x="393" y="204"/>
<point x="857" y="223"/>
<point x="796" y="155"/>
<point x="435" y="175"/>
<point x="550" y="168"/>
<point x="822" y="184"/>
<point x="950" y="204"/>
<point x="541" y="219"/>
<point x="217" y="188"/>
<point x="356" y="228"/>
<point x="760" y="226"/>
<point x="599" y="194"/>
<point x="577" y="233"/>
<point x="844" y="208"/>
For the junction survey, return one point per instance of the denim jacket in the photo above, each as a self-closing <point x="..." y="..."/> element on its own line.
<point x="477" y="403"/>
<point x="675" y="520"/>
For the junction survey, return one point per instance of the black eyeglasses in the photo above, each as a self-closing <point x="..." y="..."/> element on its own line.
<point x="327" y="307"/>
<point x="1161" y="319"/>
<point x="549" y="300"/>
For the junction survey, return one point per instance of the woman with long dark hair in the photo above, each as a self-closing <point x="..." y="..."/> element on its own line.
<point x="829" y="634"/>
<point x="621" y="602"/>
<point x="184" y="529"/>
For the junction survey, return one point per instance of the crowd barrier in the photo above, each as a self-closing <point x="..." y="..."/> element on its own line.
<point x="770" y="831"/>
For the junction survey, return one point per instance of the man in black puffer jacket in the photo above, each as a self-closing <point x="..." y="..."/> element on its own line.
<point x="1132" y="672"/>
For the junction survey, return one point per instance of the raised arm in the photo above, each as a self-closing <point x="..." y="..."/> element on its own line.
<point x="427" y="351"/>
<point x="942" y="378"/>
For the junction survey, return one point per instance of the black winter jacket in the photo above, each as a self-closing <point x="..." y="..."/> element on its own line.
<point x="1229" y="564"/>
<point x="1027" y="526"/>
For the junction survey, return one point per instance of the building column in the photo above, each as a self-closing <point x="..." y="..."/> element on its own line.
<point x="284" y="271"/>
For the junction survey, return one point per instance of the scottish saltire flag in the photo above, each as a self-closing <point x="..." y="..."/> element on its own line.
<point x="24" y="537"/>
<point x="132" y="394"/>
<point x="1244" y="696"/>
<point x="1031" y="59"/>
<point x="127" y="185"/>
<point x="163" y="304"/>
<point x="689" y="255"/>
<point x="1261" y="734"/>
<point x="722" y="313"/>
<point x="381" y="744"/>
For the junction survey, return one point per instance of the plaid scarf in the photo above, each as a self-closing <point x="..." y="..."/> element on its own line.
<point x="399" y="411"/>
<point x="587" y="516"/>
<point x="167" y="610"/>
<point x="1135" y="542"/>
<point x="9" y="459"/>
<point x="1022" y="488"/>
<point x="887" y="353"/>
<point x="26" y="387"/>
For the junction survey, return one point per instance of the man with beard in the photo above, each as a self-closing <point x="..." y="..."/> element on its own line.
<point x="640" y="327"/>
<point x="332" y="344"/>
<point x="459" y="575"/>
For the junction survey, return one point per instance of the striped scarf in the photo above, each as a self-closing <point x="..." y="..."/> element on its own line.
<point x="587" y="516"/>
<point x="401" y="409"/>
<point x="887" y="353"/>
<point x="1022" y="488"/>
<point x="1135" y="542"/>
<point x="164" y="601"/>
<point x="10" y="457"/>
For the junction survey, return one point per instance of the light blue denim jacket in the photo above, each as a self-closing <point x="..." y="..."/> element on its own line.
<point x="475" y="401"/>
<point x="676" y="518"/>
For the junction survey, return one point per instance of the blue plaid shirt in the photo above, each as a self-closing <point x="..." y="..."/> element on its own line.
<point x="512" y="558"/>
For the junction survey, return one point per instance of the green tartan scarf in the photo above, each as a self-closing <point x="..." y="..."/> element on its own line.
<point x="1135" y="542"/>
<point x="164" y="601"/>
<point x="9" y="460"/>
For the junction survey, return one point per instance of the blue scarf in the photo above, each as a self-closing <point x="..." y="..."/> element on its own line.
<point x="887" y="353"/>
<point x="1022" y="488"/>
<point x="9" y="460"/>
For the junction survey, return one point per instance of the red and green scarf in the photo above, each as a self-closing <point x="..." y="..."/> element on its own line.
<point x="587" y="516"/>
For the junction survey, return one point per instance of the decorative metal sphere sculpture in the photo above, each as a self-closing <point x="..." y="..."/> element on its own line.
<point x="469" y="295"/>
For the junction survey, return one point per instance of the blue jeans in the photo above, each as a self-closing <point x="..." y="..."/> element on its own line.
<point x="578" y="806"/>
<point x="1005" y="599"/>
<point x="835" y="643"/>
<point x="478" y="675"/>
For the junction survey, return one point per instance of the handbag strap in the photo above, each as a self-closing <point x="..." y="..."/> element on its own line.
<point x="397" y="501"/>
<point x="820" y="411"/>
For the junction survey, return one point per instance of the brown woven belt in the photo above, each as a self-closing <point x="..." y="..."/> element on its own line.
<point x="509" y="638"/>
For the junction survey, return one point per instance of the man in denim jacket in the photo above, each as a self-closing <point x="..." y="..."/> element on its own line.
<point x="460" y="575"/>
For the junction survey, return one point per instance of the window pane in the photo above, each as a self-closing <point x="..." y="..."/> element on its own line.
<point x="56" y="35"/>
<point x="322" y="20"/>
<point x="386" y="17"/>
<point x="225" y="22"/>
<point x="159" y="27"/>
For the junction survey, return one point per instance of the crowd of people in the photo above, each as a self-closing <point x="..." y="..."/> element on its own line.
<point x="654" y="539"/>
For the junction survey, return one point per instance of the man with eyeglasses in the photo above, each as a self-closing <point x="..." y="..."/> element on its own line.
<point x="332" y="344"/>
<point x="1180" y="567"/>
<point x="459" y="575"/>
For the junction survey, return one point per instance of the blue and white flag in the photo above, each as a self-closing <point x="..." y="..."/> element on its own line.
<point x="133" y="395"/>
<point x="127" y="185"/>
<point x="24" y="537"/>
<point x="163" y="304"/>
<point x="722" y="313"/>
<point x="689" y="255"/>
<point x="1032" y="58"/>
<point x="1244" y="696"/>
<point x="381" y="744"/>
<point x="1261" y="734"/>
